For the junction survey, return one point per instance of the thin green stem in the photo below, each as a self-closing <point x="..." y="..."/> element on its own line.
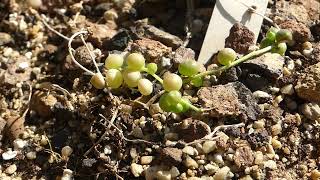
<point x="153" y="75"/>
<point x="234" y="63"/>
<point x="187" y="103"/>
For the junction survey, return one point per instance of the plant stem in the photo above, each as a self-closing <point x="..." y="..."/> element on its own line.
<point x="153" y="75"/>
<point x="187" y="103"/>
<point x="234" y="63"/>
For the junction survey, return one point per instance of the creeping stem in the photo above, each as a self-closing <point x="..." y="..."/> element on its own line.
<point x="153" y="75"/>
<point x="185" y="102"/>
<point x="234" y="63"/>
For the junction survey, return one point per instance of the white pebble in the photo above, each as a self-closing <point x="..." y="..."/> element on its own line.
<point x="146" y="159"/>
<point x="209" y="146"/>
<point x="278" y="99"/>
<point x="136" y="169"/>
<point x="7" y="52"/>
<point x="287" y="89"/>
<point x="23" y="65"/>
<point x="67" y="174"/>
<point x="31" y="155"/>
<point x="261" y="94"/>
<point x="218" y="158"/>
<point x="165" y="62"/>
<point x="163" y="175"/>
<point x="291" y="65"/>
<point x="191" y="163"/>
<point x="107" y="150"/>
<point x="189" y="150"/>
<point x="211" y="168"/>
<point x="307" y="52"/>
<point x="223" y="173"/>
<point x="35" y="3"/>
<point x="11" y="169"/>
<point x="66" y="151"/>
<point x="9" y="154"/>
<point x="19" y="143"/>
<point x="270" y="164"/>
<point x="174" y="172"/>
<point x="28" y="55"/>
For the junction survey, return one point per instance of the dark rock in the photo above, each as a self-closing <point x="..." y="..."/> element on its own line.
<point x="195" y="130"/>
<point x="5" y="38"/>
<point x="269" y="65"/>
<point x="152" y="50"/>
<point x="171" y="156"/>
<point x="230" y="100"/>
<point x="162" y="36"/>
<point x="255" y="82"/>
<point x="231" y="75"/>
<point x="315" y="30"/>
<point x="240" y="38"/>
<point x="119" y="41"/>
<point x="258" y="139"/>
<point x="63" y="113"/>
<point x="243" y="157"/>
<point x="49" y="52"/>
<point x="308" y="84"/>
<point x="300" y="32"/>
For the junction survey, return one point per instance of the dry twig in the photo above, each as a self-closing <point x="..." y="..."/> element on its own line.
<point x="210" y="137"/>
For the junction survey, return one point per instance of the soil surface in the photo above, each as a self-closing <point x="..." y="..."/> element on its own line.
<point x="262" y="117"/>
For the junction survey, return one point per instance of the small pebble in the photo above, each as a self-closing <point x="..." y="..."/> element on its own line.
<point x="307" y="52"/>
<point x="291" y="65"/>
<point x="9" y="154"/>
<point x="19" y="143"/>
<point x="276" y="144"/>
<point x="136" y="169"/>
<point x="274" y="89"/>
<point x="258" y="159"/>
<point x="11" y="169"/>
<point x="174" y="172"/>
<point x="259" y="124"/>
<point x="278" y="99"/>
<point x="189" y="150"/>
<point x="315" y="174"/>
<point x="276" y="129"/>
<point x="66" y="151"/>
<point x="163" y="175"/>
<point x="107" y="150"/>
<point x="146" y="159"/>
<point x="261" y="94"/>
<point x="191" y="163"/>
<point x="35" y="3"/>
<point x="218" y="159"/>
<point x="223" y="173"/>
<point x="209" y="146"/>
<point x="287" y="89"/>
<point x="211" y="168"/>
<point x="7" y="52"/>
<point x="270" y="164"/>
<point x="67" y="174"/>
<point x="31" y="155"/>
<point x="307" y="45"/>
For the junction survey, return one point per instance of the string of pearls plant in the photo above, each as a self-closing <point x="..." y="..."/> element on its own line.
<point x="129" y="71"/>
